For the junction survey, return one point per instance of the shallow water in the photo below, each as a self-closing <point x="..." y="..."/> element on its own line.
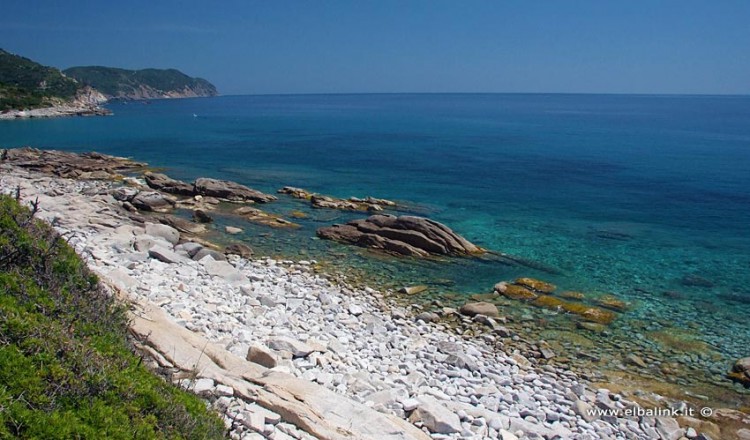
<point x="626" y="195"/>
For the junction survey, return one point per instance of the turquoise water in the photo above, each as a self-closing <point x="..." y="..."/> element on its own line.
<point x="621" y="194"/>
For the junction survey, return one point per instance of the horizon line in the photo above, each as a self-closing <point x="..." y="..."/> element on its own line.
<point x="491" y="93"/>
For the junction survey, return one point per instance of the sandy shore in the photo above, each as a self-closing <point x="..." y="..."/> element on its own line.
<point x="365" y="367"/>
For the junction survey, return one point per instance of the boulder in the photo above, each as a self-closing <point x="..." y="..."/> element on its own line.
<point x="240" y="249"/>
<point x="153" y="201"/>
<point x="405" y="235"/>
<point x="297" y="348"/>
<point x="190" y="247"/>
<point x="480" y="308"/>
<point x="223" y="270"/>
<point x="124" y="193"/>
<point x="232" y="230"/>
<point x="456" y="356"/>
<point x="145" y="242"/>
<point x="668" y="428"/>
<point x="229" y="190"/>
<point x="261" y="355"/>
<point x="163" y="254"/>
<point x="168" y="233"/>
<point x="434" y="416"/>
<point x="201" y="216"/>
<point x="741" y="371"/>
<point x="164" y="183"/>
<point x="204" y="252"/>
<point x="428" y="317"/>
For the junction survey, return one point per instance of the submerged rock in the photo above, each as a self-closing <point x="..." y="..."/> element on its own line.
<point x="202" y="216"/>
<point x="233" y="191"/>
<point x="741" y="372"/>
<point x="569" y="294"/>
<point x="261" y="217"/>
<point x="513" y="291"/>
<point x="533" y="284"/>
<point x="612" y="303"/>
<point x="240" y="249"/>
<point x="692" y="280"/>
<point x="589" y="313"/>
<point x="413" y="290"/>
<point x="405" y="235"/>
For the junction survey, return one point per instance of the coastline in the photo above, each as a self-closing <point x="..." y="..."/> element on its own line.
<point x="364" y="346"/>
<point x="56" y="112"/>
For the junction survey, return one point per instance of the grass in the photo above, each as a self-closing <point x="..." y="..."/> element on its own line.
<point x="67" y="370"/>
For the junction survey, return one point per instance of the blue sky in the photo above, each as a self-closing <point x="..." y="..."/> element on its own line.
<point x="255" y="47"/>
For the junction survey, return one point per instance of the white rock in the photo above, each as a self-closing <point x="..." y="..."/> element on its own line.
<point x="435" y="416"/>
<point x="233" y="230"/>
<point x="168" y="233"/>
<point x="261" y="355"/>
<point x="297" y="348"/>
<point x="164" y="255"/>
<point x="223" y="390"/>
<point x="203" y="386"/>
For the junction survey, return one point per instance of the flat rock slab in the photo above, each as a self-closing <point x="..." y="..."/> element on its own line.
<point x="165" y="255"/>
<point x="311" y="407"/>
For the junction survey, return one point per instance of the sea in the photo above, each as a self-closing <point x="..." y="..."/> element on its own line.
<point x="643" y="197"/>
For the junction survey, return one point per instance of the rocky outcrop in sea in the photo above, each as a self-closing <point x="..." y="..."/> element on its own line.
<point x="405" y="235"/>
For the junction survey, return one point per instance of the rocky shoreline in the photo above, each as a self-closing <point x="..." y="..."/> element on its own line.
<point x="384" y="364"/>
<point x="57" y="111"/>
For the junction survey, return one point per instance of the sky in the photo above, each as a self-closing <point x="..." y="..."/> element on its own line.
<point x="392" y="46"/>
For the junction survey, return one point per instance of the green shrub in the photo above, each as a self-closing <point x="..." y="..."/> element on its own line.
<point x="67" y="369"/>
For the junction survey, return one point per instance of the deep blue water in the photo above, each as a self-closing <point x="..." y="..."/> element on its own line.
<point x="621" y="194"/>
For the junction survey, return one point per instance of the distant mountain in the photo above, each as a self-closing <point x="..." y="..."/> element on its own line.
<point x="25" y="84"/>
<point x="141" y="84"/>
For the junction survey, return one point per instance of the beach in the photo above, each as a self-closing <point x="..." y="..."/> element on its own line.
<point x="392" y="371"/>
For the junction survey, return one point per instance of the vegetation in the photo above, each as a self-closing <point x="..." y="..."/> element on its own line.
<point x="66" y="367"/>
<point x="25" y="84"/>
<point x="122" y="83"/>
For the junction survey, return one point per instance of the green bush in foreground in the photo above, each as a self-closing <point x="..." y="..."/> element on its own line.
<point x="66" y="368"/>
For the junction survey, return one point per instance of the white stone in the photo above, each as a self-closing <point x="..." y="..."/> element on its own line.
<point x="203" y="385"/>
<point x="435" y="416"/>
<point x="168" y="233"/>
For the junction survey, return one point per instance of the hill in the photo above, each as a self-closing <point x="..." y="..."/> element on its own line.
<point x="25" y="84"/>
<point x="141" y="84"/>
